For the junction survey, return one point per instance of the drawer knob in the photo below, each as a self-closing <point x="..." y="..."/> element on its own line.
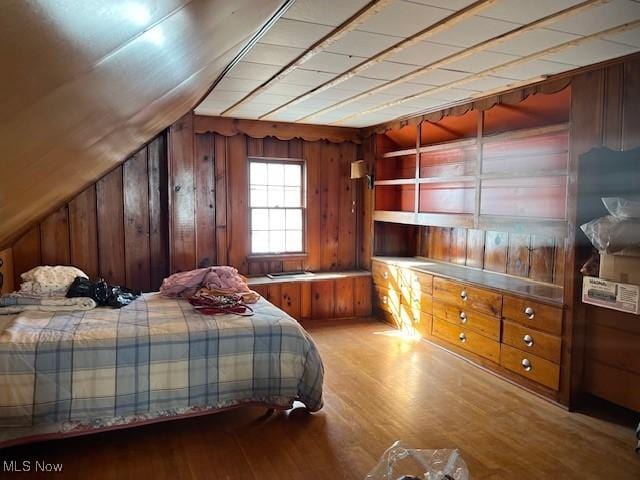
<point x="528" y="340"/>
<point x="463" y="317"/>
<point x="385" y="275"/>
<point x="462" y="337"/>
<point x="526" y="365"/>
<point x="529" y="312"/>
<point x="463" y="295"/>
<point x="384" y="299"/>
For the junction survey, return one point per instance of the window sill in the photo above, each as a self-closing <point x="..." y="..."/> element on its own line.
<point x="277" y="256"/>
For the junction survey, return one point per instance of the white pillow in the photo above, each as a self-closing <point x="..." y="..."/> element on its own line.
<point x="49" y="281"/>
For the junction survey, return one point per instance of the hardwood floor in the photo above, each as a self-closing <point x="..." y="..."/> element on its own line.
<point x="379" y="388"/>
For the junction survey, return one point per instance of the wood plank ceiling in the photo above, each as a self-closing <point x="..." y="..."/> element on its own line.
<point x="357" y="63"/>
<point x="87" y="82"/>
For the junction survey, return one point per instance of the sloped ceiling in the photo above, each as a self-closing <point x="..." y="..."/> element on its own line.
<point x="358" y="63"/>
<point x="86" y="82"/>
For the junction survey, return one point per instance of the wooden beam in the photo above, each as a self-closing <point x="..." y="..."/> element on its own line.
<point x="350" y="24"/>
<point x="430" y="31"/>
<point x="495" y="70"/>
<point x="282" y="130"/>
<point x="486" y="45"/>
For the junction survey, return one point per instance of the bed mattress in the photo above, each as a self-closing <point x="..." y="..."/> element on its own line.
<point x="63" y="373"/>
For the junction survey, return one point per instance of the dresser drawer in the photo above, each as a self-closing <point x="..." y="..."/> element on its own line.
<point x="467" y="339"/>
<point x="532" y="341"/>
<point x="422" y="323"/>
<point x="485" y="324"/>
<point x="422" y="302"/>
<point x="466" y="297"/>
<point x="421" y="283"/>
<point x="386" y="299"/>
<point x="384" y="275"/>
<point x="530" y="366"/>
<point x="533" y="314"/>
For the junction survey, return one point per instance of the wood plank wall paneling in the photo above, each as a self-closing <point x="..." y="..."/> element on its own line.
<point x="83" y="231"/>
<point x="219" y="228"/>
<point x="530" y="256"/>
<point x="604" y="344"/>
<point x="6" y="270"/>
<point x="116" y="228"/>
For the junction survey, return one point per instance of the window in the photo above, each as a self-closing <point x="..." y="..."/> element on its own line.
<point x="276" y="201"/>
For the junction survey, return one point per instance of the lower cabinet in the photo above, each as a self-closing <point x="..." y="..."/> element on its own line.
<point x="328" y="296"/>
<point x="512" y="334"/>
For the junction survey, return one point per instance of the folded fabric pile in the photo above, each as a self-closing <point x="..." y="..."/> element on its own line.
<point x="218" y="280"/>
<point x="212" y="290"/>
<point x="43" y="289"/>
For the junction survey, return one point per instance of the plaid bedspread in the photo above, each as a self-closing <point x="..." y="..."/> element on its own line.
<point x="156" y="354"/>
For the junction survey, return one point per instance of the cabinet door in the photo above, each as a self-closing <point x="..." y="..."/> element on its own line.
<point x="362" y="295"/>
<point x="290" y="299"/>
<point x="322" y="299"/>
<point x="343" y="298"/>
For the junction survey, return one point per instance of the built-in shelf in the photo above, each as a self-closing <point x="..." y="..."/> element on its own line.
<point x="396" y="181"/>
<point x="399" y="153"/>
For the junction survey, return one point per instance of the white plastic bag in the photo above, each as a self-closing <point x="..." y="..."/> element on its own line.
<point x="611" y="235"/>
<point x="401" y="463"/>
<point x="623" y="208"/>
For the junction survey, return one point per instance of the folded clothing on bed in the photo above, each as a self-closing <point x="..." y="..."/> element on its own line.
<point x="17" y="303"/>
<point x="223" y="279"/>
<point x="46" y="281"/>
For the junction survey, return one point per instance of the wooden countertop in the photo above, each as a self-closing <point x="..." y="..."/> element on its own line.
<point x="313" y="277"/>
<point x="543" y="292"/>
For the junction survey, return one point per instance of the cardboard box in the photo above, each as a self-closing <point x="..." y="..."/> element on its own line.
<point x="607" y="294"/>
<point x="620" y="268"/>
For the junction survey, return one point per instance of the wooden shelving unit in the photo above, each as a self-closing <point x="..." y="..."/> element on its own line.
<point x="512" y="181"/>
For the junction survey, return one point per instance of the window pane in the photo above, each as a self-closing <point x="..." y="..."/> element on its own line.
<point x="258" y="173"/>
<point x="276" y="219"/>
<point x="259" y="219"/>
<point x="276" y="174"/>
<point x="276" y="197"/>
<point x="292" y="196"/>
<point x="294" y="240"/>
<point x="258" y="197"/>
<point x="260" y="242"/>
<point x="294" y="219"/>
<point x="277" y="241"/>
<point x="292" y="175"/>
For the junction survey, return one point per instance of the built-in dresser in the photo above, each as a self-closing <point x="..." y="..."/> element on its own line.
<point x="509" y="325"/>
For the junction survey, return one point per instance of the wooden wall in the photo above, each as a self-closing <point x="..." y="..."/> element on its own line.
<point x="209" y="221"/>
<point x="606" y="342"/>
<point x="530" y="256"/>
<point x="116" y="228"/>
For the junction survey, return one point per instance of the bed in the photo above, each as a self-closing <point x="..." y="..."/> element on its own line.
<point x="72" y="373"/>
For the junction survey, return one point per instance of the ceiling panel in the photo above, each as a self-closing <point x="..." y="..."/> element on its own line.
<point x="326" y="12"/>
<point x="309" y="78"/>
<point x="424" y="53"/>
<point x="473" y="30"/>
<point x="489" y="83"/>
<point x="256" y="71"/>
<point x="533" y="69"/>
<point x="600" y="18"/>
<point x="439" y="76"/>
<point x="630" y="37"/>
<point x="534" y="41"/>
<point x="526" y="11"/>
<point x="403" y="19"/>
<point x="593" y="51"/>
<point x="332" y="62"/>
<point x="272" y="54"/>
<point x="386" y="81"/>
<point x="388" y="70"/>
<point x="481" y="61"/>
<point x="363" y="44"/>
<point x="292" y="33"/>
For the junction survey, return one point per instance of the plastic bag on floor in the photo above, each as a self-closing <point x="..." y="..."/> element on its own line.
<point x="401" y="463"/>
